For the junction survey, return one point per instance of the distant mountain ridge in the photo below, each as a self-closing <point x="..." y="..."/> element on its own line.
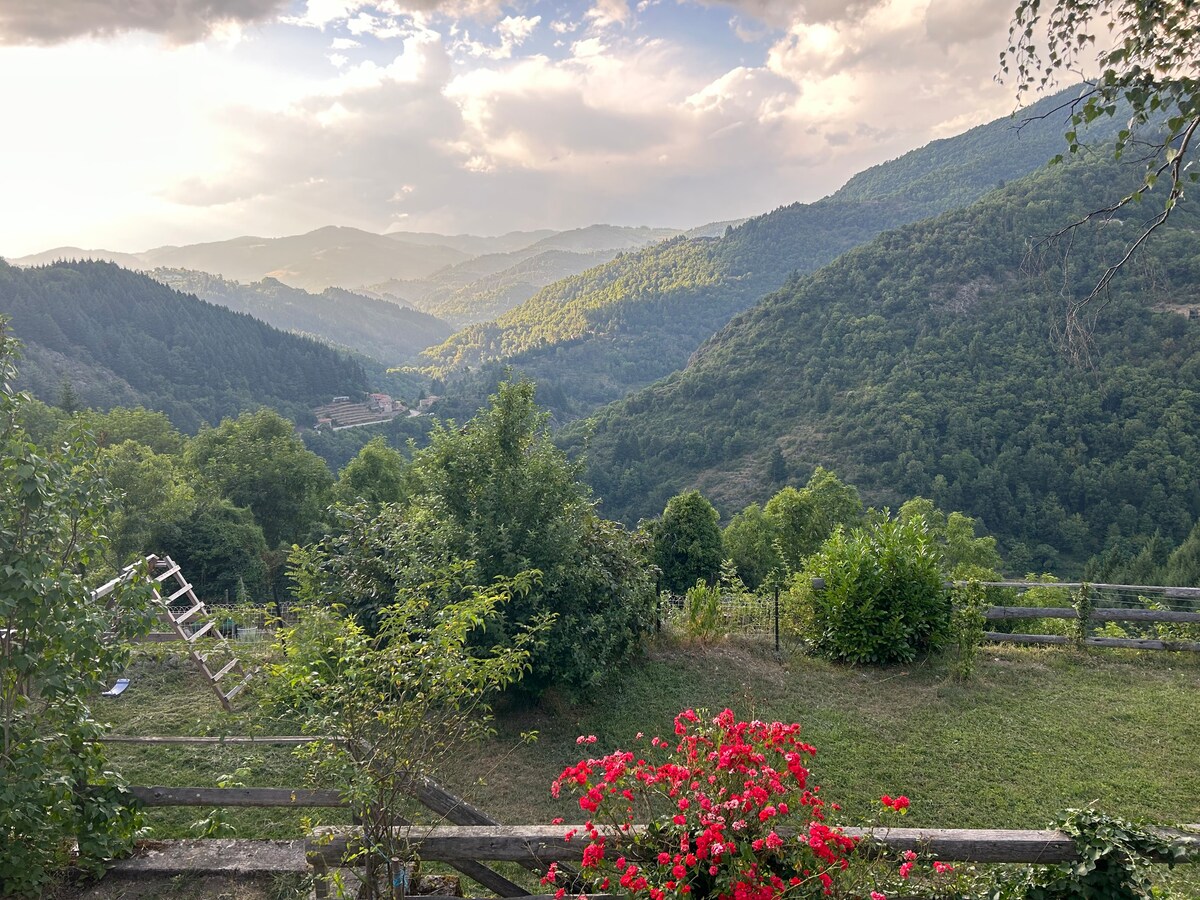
<point x="435" y="273"/>
<point x="118" y="337"/>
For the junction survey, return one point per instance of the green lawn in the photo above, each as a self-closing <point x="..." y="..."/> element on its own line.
<point x="1035" y="732"/>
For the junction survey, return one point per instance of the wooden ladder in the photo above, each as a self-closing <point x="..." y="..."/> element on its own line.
<point x="218" y="661"/>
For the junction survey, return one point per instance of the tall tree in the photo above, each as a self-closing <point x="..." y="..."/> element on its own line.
<point x="375" y="475"/>
<point x="687" y="542"/>
<point x="258" y="461"/>
<point x="513" y="503"/>
<point x="57" y="647"/>
<point x="749" y="541"/>
<point x="803" y="519"/>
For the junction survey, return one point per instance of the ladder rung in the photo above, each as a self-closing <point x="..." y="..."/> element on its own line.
<point x="203" y="631"/>
<point x="174" y="570"/>
<point x="229" y="665"/>
<point x="191" y="612"/>
<point x="179" y="593"/>
<point x="237" y="688"/>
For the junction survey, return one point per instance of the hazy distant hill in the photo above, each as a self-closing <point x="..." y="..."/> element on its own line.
<point x="473" y="244"/>
<point x="923" y="363"/>
<point x="331" y="256"/>
<point x="592" y="338"/>
<point x="78" y="254"/>
<point x="384" y="331"/>
<point x="119" y="337"/>
<point x="444" y="275"/>
<point x="492" y="283"/>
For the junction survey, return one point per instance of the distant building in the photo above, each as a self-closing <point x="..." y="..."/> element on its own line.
<point x="380" y="402"/>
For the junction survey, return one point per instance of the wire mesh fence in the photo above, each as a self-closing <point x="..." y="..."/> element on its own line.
<point x="1110" y="614"/>
<point x="733" y="614"/>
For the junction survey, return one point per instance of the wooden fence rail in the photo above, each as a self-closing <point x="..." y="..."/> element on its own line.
<point x="545" y="844"/>
<point x="537" y="845"/>
<point x="1107" y="614"/>
<point x="467" y="847"/>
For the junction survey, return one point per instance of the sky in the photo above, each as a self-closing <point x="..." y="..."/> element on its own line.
<point x="130" y="124"/>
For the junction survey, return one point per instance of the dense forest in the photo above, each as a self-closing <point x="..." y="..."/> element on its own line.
<point x="97" y="335"/>
<point x="926" y="363"/>
<point x="595" y="337"/>
<point x="384" y="331"/>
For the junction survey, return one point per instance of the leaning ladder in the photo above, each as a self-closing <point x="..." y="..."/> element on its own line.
<point x="218" y="662"/>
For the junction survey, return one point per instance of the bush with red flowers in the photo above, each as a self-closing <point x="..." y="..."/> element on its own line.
<point x="723" y="810"/>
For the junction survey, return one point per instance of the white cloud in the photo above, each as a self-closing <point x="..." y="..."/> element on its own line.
<point x="472" y="124"/>
<point x="609" y="12"/>
<point x="181" y="21"/>
<point x="514" y="30"/>
<point x="786" y="13"/>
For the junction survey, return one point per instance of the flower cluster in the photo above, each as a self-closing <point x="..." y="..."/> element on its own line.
<point x="728" y="813"/>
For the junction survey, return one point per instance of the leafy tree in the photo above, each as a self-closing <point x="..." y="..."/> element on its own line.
<point x="776" y="466"/>
<point x="749" y="542"/>
<point x="802" y="519"/>
<point x="258" y="461"/>
<point x="152" y="489"/>
<point x="964" y="556"/>
<point x="375" y="475"/>
<point x="511" y="502"/>
<point x="1146" y="73"/>
<point x="399" y="701"/>
<point x="57" y="647"/>
<point x="687" y="542"/>
<point x="218" y="545"/>
<point x="150" y="428"/>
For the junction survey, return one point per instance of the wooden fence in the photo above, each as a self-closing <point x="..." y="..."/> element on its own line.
<point x="1097" y="614"/>
<point x="465" y="847"/>
<point x="466" y="837"/>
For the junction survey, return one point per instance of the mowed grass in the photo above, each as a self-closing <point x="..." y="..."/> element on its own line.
<point x="1035" y="732"/>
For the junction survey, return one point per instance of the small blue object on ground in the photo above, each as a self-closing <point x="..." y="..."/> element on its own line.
<point x="117" y="689"/>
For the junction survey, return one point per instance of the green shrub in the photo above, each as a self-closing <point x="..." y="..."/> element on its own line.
<point x="883" y="599"/>
<point x="967" y="626"/>
<point x="703" y="617"/>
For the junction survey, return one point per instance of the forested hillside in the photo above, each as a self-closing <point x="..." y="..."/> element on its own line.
<point x="489" y="286"/>
<point x="593" y="338"/>
<point x="495" y="281"/>
<point x="98" y="335"/>
<point x="384" y="331"/>
<point x="926" y="363"/>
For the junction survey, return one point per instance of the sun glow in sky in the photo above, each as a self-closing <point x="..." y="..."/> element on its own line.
<point x="129" y="126"/>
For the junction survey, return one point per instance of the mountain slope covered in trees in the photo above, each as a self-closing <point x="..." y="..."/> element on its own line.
<point x="926" y="363"/>
<point x="102" y="336"/>
<point x="594" y="337"/>
<point x="384" y="331"/>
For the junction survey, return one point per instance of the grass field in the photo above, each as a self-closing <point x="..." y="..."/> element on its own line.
<point x="1035" y="732"/>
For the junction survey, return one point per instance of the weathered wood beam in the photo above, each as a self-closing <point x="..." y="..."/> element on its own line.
<point x="546" y="843"/>
<point x="1114" y="614"/>
<point x="1125" y="643"/>
<point x="253" y="796"/>
<point x="213" y="739"/>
